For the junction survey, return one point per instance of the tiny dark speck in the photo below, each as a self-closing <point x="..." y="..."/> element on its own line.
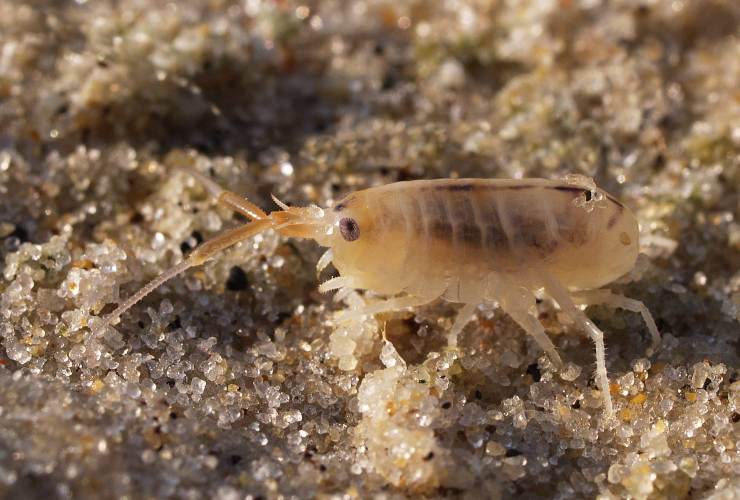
<point x="20" y="233"/>
<point x="446" y="405"/>
<point x="235" y="459"/>
<point x="389" y="81"/>
<point x="13" y="241"/>
<point x="513" y="452"/>
<point x="339" y="207"/>
<point x="429" y="456"/>
<point x="612" y="221"/>
<point x="534" y="371"/>
<point x="237" y="280"/>
<point x="175" y="324"/>
<point x="186" y="247"/>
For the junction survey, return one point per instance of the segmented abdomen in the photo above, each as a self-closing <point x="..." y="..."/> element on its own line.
<point x="453" y="234"/>
<point x="483" y="220"/>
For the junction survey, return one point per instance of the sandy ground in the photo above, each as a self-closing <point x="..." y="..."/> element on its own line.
<point x="235" y="380"/>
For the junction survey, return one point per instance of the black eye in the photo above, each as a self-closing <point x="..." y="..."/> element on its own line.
<point x="349" y="228"/>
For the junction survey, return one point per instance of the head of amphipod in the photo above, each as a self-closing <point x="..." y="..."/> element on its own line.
<point x="360" y="245"/>
<point x="339" y="228"/>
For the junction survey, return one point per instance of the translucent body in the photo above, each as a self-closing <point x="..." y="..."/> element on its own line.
<point x="423" y="236"/>
<point x="465" y="240"/>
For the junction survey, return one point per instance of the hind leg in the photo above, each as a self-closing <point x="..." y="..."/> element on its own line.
<point x="464" y="315"/>
<point x="519" y="303"/>
<point x="561" y="295"/>
<point x="607" y="298"/>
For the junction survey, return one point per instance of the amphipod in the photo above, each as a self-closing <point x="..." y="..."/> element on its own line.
<point x="468" y="241"/>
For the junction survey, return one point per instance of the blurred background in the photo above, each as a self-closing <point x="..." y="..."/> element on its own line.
<point x="233" y="381"/>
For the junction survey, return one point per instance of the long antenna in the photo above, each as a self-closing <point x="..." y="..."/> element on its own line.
<point x="146" y="290"/>
<point x="198" y="257"/>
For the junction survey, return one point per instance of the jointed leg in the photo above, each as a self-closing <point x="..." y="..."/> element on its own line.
<point x="464" y="316"/>
<point x="335" y="284"/>
<point x="533" y="327"/>
<point x="324" y="261"/>
<point x="562" y="297"/>
<point x="342" y="285"/>
<point x="519" y="303"/>
<point x="606" y="297"/>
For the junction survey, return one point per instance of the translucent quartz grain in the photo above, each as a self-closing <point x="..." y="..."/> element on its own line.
<point x="202" y="390"/>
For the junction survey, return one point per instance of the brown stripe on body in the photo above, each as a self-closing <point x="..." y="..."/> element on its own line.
<point x="494" y="234"/>
<point x="484" y="228"/>
<point x="468" y="187"/>
<point x="472" y="218"/>
<point x="612" y="220"/>
<point x="466" y="215"/>
<point x="416" y="213"/>
<point x="440" y="230"/>
<point x="457" y="187"/>
<point x="465" y="231"/>
<point x="471" y="234"/>
<point x="436" y="217"/>
<point x="472" y="188"/>
<point x="533" y="233"/>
